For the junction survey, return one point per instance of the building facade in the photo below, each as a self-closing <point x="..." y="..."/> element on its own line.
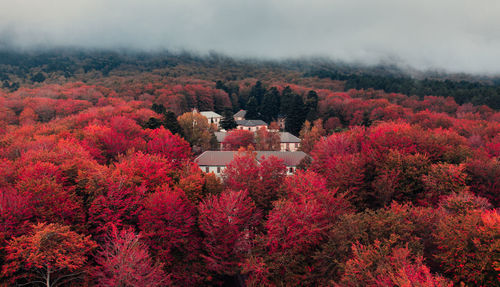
<point x="216" y="161"/>
<point x="289" y="142"/>
<point x="213" y="117"/>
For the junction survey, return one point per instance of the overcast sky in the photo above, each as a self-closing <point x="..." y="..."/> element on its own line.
<point x="455" y="35"/>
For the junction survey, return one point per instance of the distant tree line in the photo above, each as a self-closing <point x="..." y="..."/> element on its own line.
<point x="17" y="69"/>
<point x="462" y="91"/>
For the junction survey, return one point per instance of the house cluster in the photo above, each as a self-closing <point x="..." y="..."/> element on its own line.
<point x="216" y="161"/>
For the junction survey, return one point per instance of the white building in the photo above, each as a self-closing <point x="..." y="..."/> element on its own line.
<point x="213" y="118"/>
<point x="216" y="161"/>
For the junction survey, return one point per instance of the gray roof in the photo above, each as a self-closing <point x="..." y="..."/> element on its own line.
<point x="215" y="158"/>
<point x="287" y="137"/>
<point x="240" y="114"/>
<point x="251" y="123"/>
<point x="223" y="158"/>
<point x="290" y="158"/>
<point x="210" y="114"/>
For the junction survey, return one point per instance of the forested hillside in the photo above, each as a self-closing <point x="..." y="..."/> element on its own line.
<point x="98" y="184"/>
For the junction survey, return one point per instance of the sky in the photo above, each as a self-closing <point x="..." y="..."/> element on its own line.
<point x="449" y="35"/>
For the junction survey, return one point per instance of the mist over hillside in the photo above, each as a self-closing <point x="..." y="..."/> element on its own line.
<point x="455" y="36"/>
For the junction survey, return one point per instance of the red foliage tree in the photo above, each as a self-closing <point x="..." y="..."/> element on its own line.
<point x="442" y="179"/>
<point x="381" y="265"/>
<point x="272" y="172"/>
<point x="338" y="159"/>
<point x="119" y="207"/>
<point x="125" y="261"/>
<point x="175" y="149"/>
<point x="484" y="178"/>
<point x="267" y="140"/>
<point x="236" y="139"/>
<point x="261" y="179"/>
<point x="242" y="172"/>
<point x="298" y="224"/>
<point x="142" y="169"/>
<point x="28" y="117"/>
<point x="168" y="223"/>
<point x="41" y="184"/>
<point x="51" y="254"/>
<point x="116" y="138"/>
<point x="399" y="177"/>
<point x="228" y="222"/>
<point x="463" y="202"/>
<point x="7" y="172"/>
<point x="16" y="212"/>
<point x="469" y="247"/>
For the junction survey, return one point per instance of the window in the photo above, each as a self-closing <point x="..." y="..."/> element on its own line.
<point x="218" y="169"/>
<point x="206" y="168"/>
<point x="291" y="170"/>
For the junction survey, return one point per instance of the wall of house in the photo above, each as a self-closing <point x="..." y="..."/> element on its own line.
<point x="216" y="121"/>
<point x="290" y="146"/>
<point x="217" y="170"/>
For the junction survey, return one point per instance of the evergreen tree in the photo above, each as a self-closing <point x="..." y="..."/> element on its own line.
<point x="286" y="100"/>
<point x="252" y="107"/>
<point x="170" y="122"/>
<point x="296" y="117"/>
<point x="158" y="108"/>
<point x="220" y="85"/>
<point x="228" y="122"/>
<point x="218" y="105"/>
<point x="38" y="77"/>
<point x="258" y="92"/>
<point x="270" y="107"/>
<point x="312" y="106"/>
<point x="153" y="123"/>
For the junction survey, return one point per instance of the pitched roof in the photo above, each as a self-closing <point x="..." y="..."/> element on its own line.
<point x="251" y="123"/>
<point x="289" y="158"/>
<point x="223" y="158"/>
<point x="210" y="114"/>
<point x="287" y="137"/>
<point x="214" y="158"/>
<point x="240" y="114"/>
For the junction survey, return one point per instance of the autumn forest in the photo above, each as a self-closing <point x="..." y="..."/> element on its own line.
<point x="99" y="185"/>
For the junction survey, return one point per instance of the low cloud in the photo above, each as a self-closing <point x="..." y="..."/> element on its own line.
<point x="453" y="35"/>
